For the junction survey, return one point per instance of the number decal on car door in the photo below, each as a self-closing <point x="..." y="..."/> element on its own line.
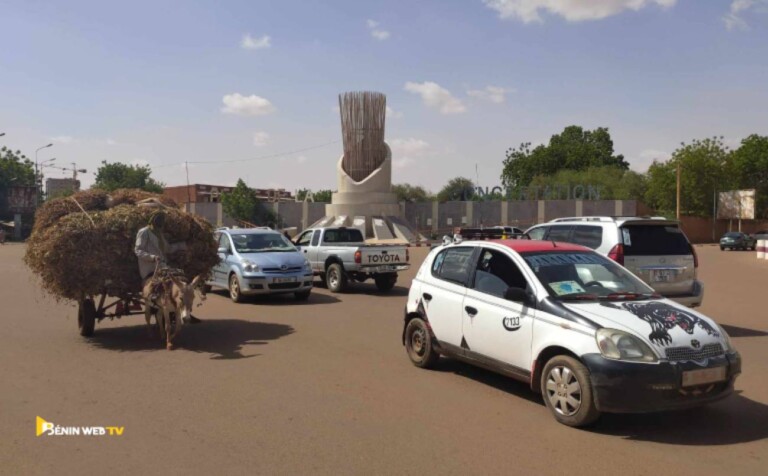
<point x="511" y="323"/>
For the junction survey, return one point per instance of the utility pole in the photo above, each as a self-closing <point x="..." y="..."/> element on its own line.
<point x="189" y="195"/>
<point x="678" y="192"/>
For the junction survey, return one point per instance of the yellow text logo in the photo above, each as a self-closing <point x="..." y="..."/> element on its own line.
<point x="47" y="428"/>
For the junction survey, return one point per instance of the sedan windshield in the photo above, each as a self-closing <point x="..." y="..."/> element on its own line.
<point x="732" y="235"/>
<point x="583" y="275"/>
<point x="261" y="242"/>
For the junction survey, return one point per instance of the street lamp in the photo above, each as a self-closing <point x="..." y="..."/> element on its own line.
<point x="37" y="178"/>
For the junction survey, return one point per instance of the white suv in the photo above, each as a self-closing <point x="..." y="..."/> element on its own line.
<point x="579" y="328"/>
<point x="655" y="249"/>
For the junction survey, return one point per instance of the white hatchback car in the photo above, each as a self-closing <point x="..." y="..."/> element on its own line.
<point x="579" y="328"/>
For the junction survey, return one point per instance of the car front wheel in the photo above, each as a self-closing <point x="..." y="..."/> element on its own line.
<point x="234" y="289"/>
<point x="567" y="391"/>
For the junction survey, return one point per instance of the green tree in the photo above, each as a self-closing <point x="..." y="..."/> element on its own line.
<point x="703" y="172"/>
<point x="15" y="170"/>
<point x="573" y="149"/>
<point x="748" y="165"/>
<point x="459" y="188"/>
<point x="411" y="193"/>
<point x="118" y="175"/>
<point x="613" y="183"/>
<point x="243" y="205"/>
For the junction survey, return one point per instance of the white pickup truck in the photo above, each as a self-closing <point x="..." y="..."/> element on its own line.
<point x="340" y="255"/>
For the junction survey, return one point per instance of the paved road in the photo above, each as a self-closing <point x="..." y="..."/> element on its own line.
<point x="274" y="387"/>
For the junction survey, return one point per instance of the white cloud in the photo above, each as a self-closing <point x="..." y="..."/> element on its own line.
<point x="301" y="159"/>
<point x="407" y="151"/>
<point x="529" y="11"/>
<point x="376" y="32"/>
<point x="436" y="96"/>
<point x="63" y="139"/>
<point x="494" y="94"/>
<point x="251" y="43"/>
<point x="260" y="138"/>
<point x="734" y="18"/>
<point x="391" y="113"/>
<point x="246" y="105"/>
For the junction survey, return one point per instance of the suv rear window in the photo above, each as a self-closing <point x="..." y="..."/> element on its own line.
<point x="587" y="235"/>
<point x="654" y="240"/>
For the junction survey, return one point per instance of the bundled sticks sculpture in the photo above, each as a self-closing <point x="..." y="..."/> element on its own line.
<point x="362" y="127"/>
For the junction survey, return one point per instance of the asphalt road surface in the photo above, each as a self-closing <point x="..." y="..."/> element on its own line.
<point x="325" y="387"/>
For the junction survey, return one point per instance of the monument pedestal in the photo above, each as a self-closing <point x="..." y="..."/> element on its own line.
<point x="369" y="205"/>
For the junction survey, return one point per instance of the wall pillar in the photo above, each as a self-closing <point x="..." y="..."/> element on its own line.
<point x="304" y="215"/>
<point x="579" y="208"/>
<point x="618" y="208"/>
<point x="468" y="214"/>
<point x="504" y="213"/>
<point x="435" y="216"/>
<point x="541" y="216"/>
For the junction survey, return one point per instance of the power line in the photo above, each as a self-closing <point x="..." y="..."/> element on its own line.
<point x="264" y="157"/>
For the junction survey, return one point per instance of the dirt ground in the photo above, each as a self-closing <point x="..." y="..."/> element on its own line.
<point x="325" y="387"/>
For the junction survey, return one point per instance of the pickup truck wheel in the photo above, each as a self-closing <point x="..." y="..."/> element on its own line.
<point x="567" y="391"/>
<point x="234" y="289"/>
<point x="336" y="278"/>
<point x="385" y="282"/>
<point x="86" y="317"/>
<point x="418" y="344"/>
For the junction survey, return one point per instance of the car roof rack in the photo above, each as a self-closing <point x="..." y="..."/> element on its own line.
<point x="592" y="218"/>
<point x="488" y="234"/>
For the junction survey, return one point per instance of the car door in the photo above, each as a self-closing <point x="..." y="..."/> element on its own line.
<point x="496" y="330"/>
<point x="442" y="294"/>
<point x="221" y="270"/>
<point x="302" y="243"/>
<point x="314" y="244"/>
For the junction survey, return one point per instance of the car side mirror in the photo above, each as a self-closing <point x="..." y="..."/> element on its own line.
<point x="517" y="295"/>
<point x="223" y="251"/>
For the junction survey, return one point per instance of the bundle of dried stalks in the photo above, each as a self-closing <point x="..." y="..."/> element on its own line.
<point x="362" y="127"/>
<point x="86" y="253"/>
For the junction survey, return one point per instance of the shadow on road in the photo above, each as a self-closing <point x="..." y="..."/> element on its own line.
<point x="281" y="299"/>
<point x="223" y="338"/>
<point x="735" y="420"/>
<point x="500" y="382"/>
<point x="735" y="331"/>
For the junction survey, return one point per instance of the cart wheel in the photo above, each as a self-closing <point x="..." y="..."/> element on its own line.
<point x="86" y="317"/>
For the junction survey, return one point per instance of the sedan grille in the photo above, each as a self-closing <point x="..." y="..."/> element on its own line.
<point x="677" y="354"/>
<point x="293" y="269"/>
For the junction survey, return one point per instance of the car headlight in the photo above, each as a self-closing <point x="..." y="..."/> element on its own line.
<point x="249" y="266"/>
<point x="726" y="338"/>
<point x="619" y="345"/>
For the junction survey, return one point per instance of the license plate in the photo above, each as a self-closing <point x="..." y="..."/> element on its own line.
<point x="703" y="376"/>
<point x="662" y="275"/>
<point x="292" y="279"/>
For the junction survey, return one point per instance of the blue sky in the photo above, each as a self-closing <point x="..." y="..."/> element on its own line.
<point x="145" y="82"/>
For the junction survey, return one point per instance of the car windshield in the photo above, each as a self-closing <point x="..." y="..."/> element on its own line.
<point x="732" y="235"/>
<point x="583" y="275"/>
<point x="261" y="242"/>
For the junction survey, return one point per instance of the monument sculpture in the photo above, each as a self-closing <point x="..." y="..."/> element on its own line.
<point x="364" y="197"/>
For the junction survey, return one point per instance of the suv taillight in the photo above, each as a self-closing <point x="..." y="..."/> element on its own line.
<point x="695" y="257"/>
<point x="358" y="257"/>
<point x="617" y="254"/>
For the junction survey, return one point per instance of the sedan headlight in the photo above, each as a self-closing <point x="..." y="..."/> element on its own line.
<point x="726" y="338"/>
<point x="249" y="266"/>
<point x="619" y="345"/>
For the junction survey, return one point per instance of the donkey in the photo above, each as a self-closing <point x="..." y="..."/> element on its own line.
<point x="171" y="306"/>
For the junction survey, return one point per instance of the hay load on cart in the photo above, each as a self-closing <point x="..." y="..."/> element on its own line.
<point x="82" y="249"/>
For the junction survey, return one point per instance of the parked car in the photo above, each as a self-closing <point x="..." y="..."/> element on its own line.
<point x="340" y="255"/>
<point x="653" y="248"/>
<point x="737" y="240"/>
<point x="509" y="230"/>
<point x="260" y="261"/>
<point x="582" y="330"/>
